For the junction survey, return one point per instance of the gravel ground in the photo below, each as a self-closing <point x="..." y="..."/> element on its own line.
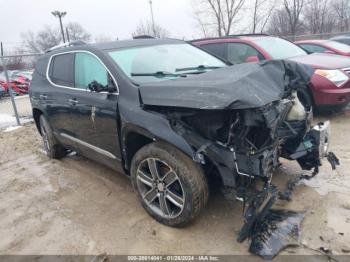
<point x="76" y="206"/>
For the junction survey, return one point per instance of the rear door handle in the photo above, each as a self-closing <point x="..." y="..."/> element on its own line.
<point x="43" y="97"/>
<point x="73" y="101"/>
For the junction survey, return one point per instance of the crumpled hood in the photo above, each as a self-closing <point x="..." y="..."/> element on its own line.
<point x="235" y="87"/>
<point x="323" y="61"/>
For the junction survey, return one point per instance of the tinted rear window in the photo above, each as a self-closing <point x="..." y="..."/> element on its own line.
<point x="218" y="49"/>
<point x="62" y="70"/>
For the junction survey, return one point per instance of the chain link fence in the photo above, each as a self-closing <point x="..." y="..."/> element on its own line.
<point x="15" y="77"/>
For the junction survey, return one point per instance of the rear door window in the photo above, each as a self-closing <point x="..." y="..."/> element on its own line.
<point x="314" y="48"/>
<point x="61" y="70"/>
<point x="238" y="53"/>
<point x="88" y="69"/>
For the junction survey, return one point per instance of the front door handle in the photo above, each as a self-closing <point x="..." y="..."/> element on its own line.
<point x="43" y="97"/>
<point x="73" y="101"/>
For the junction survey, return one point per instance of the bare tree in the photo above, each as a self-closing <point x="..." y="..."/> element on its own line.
<point x="318" y="17"/>
<point x="49" y="37"/>
<point x="279" y="25"/>
<point x="77" y="32"/>
<point x="342" y="12"/>
<point x="203" y="26"/>
<point x="262" y="11"/>
<point x="44" y="39"/>
<point x="218" y="14"/>
<point x="293" y="10"/>
<point x="14" y="63"/>
<point x="146" y="28"/>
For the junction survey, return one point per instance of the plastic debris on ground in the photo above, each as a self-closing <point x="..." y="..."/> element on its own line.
<point x="278" y="230"/>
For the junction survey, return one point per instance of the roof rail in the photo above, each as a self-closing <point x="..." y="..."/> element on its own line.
<point x="67" y="44"/>
<point x="143" y="37"/>
<point x="228" y="36"/>
<point x="259" y="34"/>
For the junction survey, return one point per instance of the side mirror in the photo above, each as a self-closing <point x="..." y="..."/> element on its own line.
<point x="95" y="86"/>
<point x="252" y="59"/>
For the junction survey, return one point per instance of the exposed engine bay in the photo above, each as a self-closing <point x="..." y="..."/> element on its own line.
<point x="242" y="140"/>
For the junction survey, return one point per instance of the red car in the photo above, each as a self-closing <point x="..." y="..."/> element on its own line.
<point x="330" y="85"/>
<point x="19" y="82"/>
<point x="324" y="46"/>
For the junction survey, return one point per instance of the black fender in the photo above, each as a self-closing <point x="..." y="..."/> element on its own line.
<point x="152" y="125"/>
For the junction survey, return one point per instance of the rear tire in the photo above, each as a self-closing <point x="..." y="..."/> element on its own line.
<point x="172" y="188"/>
<point x="51" y="146"/>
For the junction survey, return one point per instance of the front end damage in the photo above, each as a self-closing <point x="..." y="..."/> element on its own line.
<point x="243" y="140"/>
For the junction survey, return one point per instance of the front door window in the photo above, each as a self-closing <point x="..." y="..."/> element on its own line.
<point x="89" y="71"/>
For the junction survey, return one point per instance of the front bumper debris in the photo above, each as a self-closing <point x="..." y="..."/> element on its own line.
<point x="269" y="228"/>
<point x="314" y="148"/>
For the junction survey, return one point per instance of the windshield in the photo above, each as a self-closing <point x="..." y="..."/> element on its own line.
<point x="339" y="46"/>
<point x="279" y="48"/>
<point x="161" y="62"/>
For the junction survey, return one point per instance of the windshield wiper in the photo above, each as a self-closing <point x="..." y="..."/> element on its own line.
<point x="159" y="74"/>
<point x="198" y="68"/>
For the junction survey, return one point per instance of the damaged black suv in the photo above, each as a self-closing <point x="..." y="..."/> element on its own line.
<point x="174" y="117"/>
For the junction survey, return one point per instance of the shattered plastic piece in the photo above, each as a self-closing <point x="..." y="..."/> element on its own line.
<point x="326" y="250"/>
<point x="291" y="185"/>
<point x="333" y="160"/>
<point x="278" y="230"/>
<point x="345" y="250"/>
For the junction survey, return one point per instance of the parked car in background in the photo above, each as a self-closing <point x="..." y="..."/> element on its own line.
<point x="324" y="46"/>
<point x="2" y="92"/>
<point x="329" y="86"/>
<point x="20" y="81"/>
<point x="344" y="39"/>
<point x="2" y="80"/>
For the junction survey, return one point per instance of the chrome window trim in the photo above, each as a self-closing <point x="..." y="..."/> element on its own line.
<point x="73" y="88"/>
<point x="95" y="148"/>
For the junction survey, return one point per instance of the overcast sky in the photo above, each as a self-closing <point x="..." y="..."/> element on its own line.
<point x="108" y="18"/>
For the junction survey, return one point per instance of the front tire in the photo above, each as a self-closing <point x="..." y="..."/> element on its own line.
<point x="51" y="146"/>
<point x="171" y="187"/>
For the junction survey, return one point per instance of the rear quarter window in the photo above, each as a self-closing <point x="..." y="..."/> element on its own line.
<point x="62" y="70"/>
<point x="313" y="48"/>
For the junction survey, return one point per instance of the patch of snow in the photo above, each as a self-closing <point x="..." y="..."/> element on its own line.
<point x="22" y="97"/>
<point x="6" y="120"/>
<point x="12" y="128"/>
